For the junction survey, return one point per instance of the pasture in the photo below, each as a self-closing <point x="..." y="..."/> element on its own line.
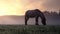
<point x="29" y="29"/>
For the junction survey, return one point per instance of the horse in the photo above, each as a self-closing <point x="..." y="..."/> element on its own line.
<point x="36" y="13"/>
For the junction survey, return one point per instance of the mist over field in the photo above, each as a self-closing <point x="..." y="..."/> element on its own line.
<point x="51" y="18"/>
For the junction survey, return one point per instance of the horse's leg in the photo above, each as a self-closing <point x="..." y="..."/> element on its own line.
<point x="26" y="19"/>
<point x="44" y="21"/>
<point x="36" y="21"/>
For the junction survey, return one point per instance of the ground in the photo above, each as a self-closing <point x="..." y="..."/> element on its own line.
<point x="29" y="29"/>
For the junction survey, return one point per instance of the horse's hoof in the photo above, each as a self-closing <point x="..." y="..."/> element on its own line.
<point x="36" y="24"/>
<point x="25" y="24"/>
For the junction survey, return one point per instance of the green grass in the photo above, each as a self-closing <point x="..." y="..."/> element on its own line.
<point x="29" y="29"/>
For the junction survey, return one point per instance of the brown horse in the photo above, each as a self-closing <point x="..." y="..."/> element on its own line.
<point x="35" y="14"/>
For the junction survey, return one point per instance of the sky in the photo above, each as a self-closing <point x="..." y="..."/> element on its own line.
<point x="19" y="7"/>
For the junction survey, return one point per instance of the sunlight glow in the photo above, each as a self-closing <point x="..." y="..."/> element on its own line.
<point x="18" y="7"/>
<point x="10" y="7"/>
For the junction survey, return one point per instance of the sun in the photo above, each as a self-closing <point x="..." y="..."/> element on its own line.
<point x="10" y="7"/>
<point x="2" y="10"/>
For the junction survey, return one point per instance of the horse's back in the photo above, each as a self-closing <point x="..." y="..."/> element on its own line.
<point x="32" y="13"/>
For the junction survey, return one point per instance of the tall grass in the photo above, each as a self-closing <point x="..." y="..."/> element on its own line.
<point x="29" y="29"/>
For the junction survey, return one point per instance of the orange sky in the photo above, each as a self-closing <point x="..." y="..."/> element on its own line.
<point x="19" y="7"/>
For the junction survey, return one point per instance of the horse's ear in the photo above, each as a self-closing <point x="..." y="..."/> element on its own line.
<point x="36" y="9"/>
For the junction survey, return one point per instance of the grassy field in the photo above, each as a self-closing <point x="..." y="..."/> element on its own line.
<point x="29" y="29"/>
